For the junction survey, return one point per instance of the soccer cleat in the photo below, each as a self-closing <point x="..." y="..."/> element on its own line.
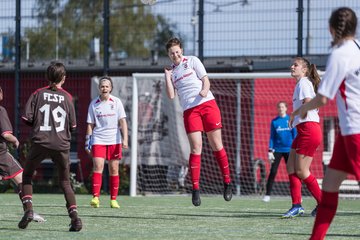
<point x="266" y="198"/>
<point x="114" y="204"/>
<point x="227" y="191"/>
<point x="28" y="217"/>
<point x="75" y="225"/>
<point x="196" y="201"/>
<point x="294" y="212"/>
<point x="95" y="202"/>
<point x="314" y="211"/>
<point x="38" y="218"/>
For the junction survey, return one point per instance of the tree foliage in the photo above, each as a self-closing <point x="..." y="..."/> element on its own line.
<point x="67" y="27"/>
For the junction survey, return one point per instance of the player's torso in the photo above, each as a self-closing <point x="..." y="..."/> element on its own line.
<point x="188" y="84"/>
<point x="348" y="95"/>
<point x="107" y="115"/>
<point x="304" y="89"/>
<point x="51" y="119"/>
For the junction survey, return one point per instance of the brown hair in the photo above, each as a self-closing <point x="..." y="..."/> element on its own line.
<point x="173" y="42"/>
<point x="106" y="78"/>
<point x="280" y="102"/>
<point x="312" y="73"/>
<point x="55" y="73"/>
<point x="343" y="21"/>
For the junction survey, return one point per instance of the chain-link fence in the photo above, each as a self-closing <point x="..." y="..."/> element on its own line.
<point x="112" y="33"/>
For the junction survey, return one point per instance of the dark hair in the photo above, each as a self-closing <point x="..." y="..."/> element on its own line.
<point x="173" y="42"/>
<point x="104" y="78"/>
<point x="343" y="21"/>
<point x="55" y="73"/>
<point x="312" y="73"/>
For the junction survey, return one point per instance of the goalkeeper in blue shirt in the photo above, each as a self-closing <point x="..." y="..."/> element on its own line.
<point x="281" y="137"/>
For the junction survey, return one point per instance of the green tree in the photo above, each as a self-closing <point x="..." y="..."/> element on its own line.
<point x="66" y="28"/>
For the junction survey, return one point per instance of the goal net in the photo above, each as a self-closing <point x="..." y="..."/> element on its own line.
<point x="159" y="149"/>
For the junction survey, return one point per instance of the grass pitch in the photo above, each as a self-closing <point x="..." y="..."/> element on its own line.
<point x="173" y="217"/>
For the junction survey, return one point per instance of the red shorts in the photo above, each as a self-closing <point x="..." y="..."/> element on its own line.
<point x="308" y="138"/>
<point x="346" y="155"/>
<point x="205" y="116"/>
<point x="108" y="152"/>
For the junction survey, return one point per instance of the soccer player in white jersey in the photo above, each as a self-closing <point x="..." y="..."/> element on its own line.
<point x="341" y="79"/>
<point x="106" y="117"/>
<point x="187" y="75"/>
<point x="308" y="138"/>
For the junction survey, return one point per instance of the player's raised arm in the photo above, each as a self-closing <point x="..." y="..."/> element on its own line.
<point x="170" y="91"/>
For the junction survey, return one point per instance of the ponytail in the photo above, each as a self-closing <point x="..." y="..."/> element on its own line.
<point x="314" y="77"/>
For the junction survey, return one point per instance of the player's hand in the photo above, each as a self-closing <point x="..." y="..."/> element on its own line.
<point x="16" y="144"/>
<point x="125" y="145"/>
<point x="203" y="93"/>
<point x="88" y="144"/>
<point x="302" y="112"/>
<point x="168" y="72"/>
<point x="271" y="157"/>
<point x="291" y="120"/>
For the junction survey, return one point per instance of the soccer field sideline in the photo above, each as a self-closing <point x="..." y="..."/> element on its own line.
<point x="174" y="217"/>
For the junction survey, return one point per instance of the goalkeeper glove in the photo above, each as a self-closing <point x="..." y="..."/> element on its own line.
<point x="88" y="143"/>
<point x="271" y="156"/>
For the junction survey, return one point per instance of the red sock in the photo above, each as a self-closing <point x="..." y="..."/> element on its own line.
<point x="313" y="186"/>
<point x="96" y="184"/>
<point x="114" y="186"/>
<point x="223" y="163"/>
<point x="295" y="188"/>
<point x="325" y="214"/>
<point x="194" y="165"/>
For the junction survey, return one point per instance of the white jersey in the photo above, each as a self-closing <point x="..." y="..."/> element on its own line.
<point x="342" y="78"/>
<point x="186" y="78"/>
<point x="105" y="115"/>
<point x="304" y="89"/>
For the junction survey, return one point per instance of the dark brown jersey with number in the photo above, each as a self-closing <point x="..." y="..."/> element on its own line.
<point x="5" y="127"/>
<point x="52" y="117"/>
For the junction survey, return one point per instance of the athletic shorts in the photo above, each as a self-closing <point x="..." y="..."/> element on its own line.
<point x="108" y="152"/>
<point x="346" y="155"/>
<point x="9" y="166"/>
<point x="204" y="117"/>
<point x="308" y="138"/>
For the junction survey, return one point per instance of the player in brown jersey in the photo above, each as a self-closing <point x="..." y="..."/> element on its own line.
<point x="51" y="114"/>
<point x="10" y="168"/>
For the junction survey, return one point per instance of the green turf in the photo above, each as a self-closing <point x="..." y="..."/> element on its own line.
<point x="173" y="217"/>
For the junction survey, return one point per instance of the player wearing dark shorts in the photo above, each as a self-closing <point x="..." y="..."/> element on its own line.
<point x="10" y="168"/>
<point x="51" y="114"/>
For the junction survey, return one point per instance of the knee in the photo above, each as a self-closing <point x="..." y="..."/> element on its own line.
<point x="301" y="173"/>
<point x="196" y="149"/>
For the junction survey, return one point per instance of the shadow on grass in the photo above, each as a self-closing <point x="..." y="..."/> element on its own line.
<point x="111" y="216"/>
<point x="345" y="236"/>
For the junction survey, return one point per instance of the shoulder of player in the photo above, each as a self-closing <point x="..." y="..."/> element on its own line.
<point x="66" y="93"/>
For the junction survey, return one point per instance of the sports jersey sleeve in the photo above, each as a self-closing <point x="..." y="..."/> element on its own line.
<point x="199" y="68"/>
<point x="5" y="125"/>
<point x="29" y="110"/>
<point x="272" y="135"/>
<point x="306" y="90"/>
<point x="121" y="110"/>
<point x="332" y="78"/>
<point x="90" y="116"/>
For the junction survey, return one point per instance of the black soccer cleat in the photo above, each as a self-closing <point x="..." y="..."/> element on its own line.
<point x="227" y="191"/>
<point x="196" y="201"/>
<point x="75" y="225"/>
<point x="28" y="217"/>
